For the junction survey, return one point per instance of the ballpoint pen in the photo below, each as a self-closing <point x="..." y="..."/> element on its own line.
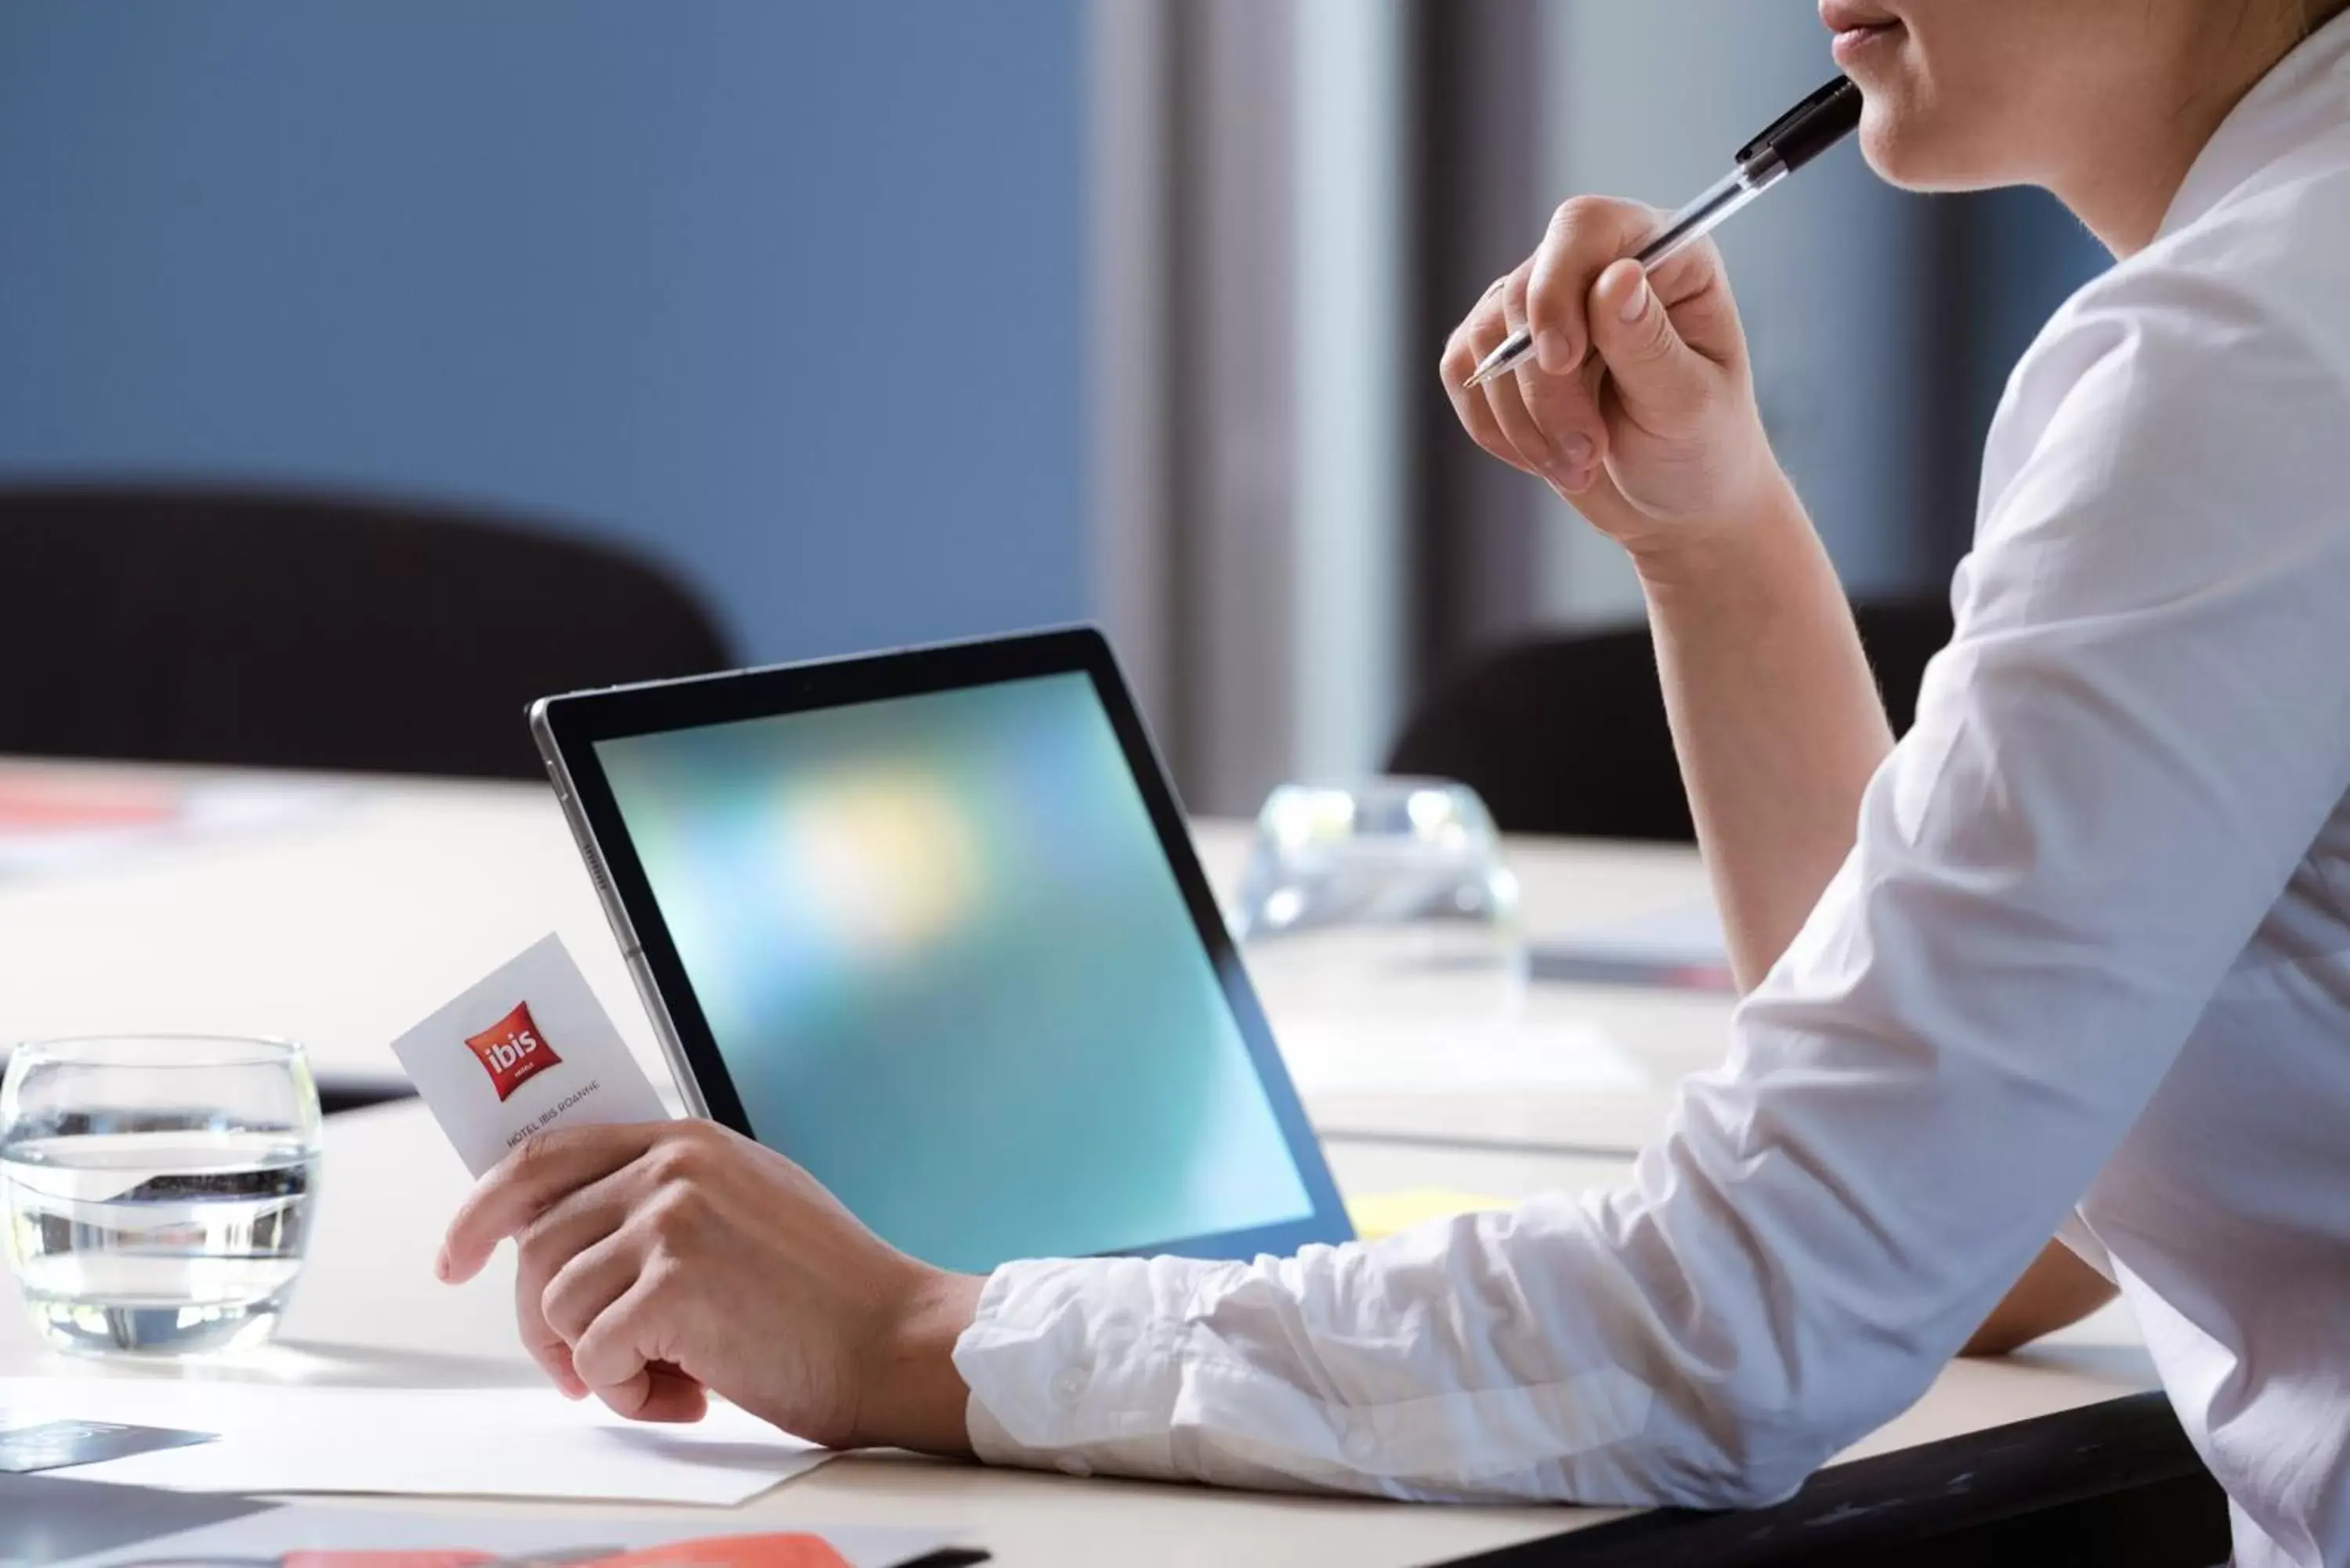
<point x="1793" y="139"/>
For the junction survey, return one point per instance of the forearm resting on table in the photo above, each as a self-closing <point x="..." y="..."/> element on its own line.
<point x="1775" y="717"/>
<point x="1779" y="728"/>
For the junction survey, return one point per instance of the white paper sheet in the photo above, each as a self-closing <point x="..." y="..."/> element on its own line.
<point x="1367" y="1053"/>
<point x="482" y="1442"/>
<point x="268" y="1538"/>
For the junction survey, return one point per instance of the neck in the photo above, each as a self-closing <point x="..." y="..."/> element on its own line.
<point x="2123" y="194"/>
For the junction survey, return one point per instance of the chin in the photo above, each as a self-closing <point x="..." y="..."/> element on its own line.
<point x="1895" y="150"/>
<point x="1906" y="147"/>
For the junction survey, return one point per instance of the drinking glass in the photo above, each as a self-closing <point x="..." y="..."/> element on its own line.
<point x="1385" y="897"/>
<point x="156" y="1189"/>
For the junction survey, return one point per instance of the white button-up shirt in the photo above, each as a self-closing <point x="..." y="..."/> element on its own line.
<point x="2086" y="969"/>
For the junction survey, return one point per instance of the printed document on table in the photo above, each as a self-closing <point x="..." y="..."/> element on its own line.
<point x="477" y="1442"/>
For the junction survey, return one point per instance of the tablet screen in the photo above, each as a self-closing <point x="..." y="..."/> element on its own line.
<point x="951" y="971"/>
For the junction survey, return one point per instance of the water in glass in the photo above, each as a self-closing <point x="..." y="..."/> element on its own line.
<point x="166" y="1226"/>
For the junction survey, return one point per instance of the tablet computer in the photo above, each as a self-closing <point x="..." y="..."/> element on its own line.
<point x="929" y="924"/>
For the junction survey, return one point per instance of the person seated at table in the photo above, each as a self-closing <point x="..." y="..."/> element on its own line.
<point x="2073" y="960"/>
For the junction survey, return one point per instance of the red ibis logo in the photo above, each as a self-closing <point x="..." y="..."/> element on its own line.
<point x="511" y="1051"/>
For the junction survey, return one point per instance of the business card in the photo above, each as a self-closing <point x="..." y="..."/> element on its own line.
<point x="60" y="1445"/>
<point x="526" y="1048"/>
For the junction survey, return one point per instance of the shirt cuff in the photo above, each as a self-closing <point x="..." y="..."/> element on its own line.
<point x="1073" y="1365"/>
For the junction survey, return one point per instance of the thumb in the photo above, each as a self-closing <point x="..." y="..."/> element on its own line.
<point x="1661" y="381"/>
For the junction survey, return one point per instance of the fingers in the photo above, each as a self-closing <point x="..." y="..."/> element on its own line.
<point x="1565" y="408"/>
<point x="1546" y="426"/>
<point x="1486" y="326"/>
<point x="544" y="1249"/>
<point x="1660" y="382"/>
<point x="527" y="1182"/>
<point x="1620" y="354"/>
<point x="1668" y="342"/>
<point x="1505" y="397"/>
<point x="658" y="1393"/>
<point x="546" y="1346"/>
<point x="614" y="1353"/>
<point x="671" y="1396"/>
<point x="1695" y="289"/>
<point x="1585" y="236"/>
<point x="588" y="1283"/>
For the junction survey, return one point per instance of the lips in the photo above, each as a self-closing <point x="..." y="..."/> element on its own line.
<point x="1841" y="16"/>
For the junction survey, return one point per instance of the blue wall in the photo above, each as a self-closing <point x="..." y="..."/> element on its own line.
<point x="786" y="290"/>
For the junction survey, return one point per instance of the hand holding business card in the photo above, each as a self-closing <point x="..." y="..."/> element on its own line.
<point x="524" y="1049"/>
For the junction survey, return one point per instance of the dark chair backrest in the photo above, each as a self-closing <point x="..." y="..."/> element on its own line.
<point x="279" y="630"/>
<point x="1568" y="735"/>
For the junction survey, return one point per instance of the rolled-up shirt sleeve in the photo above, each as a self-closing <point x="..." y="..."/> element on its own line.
<point x="2140" y="726"/>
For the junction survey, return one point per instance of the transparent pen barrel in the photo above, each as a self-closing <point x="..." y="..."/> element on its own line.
<point x="1711" y="210"/>
<point x="1683" y="229"/>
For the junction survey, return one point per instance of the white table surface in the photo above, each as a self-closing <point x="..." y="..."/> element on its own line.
<point x="344" y="926"/>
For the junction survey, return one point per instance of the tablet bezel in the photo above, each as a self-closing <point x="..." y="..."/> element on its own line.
<point x="567" y="729"/>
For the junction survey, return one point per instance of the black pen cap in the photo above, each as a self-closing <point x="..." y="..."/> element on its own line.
<point x="1809" y="129"/>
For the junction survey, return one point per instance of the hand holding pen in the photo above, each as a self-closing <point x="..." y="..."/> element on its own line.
<point x="1797" y="137"/>
<point x="1642" y="412"/>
